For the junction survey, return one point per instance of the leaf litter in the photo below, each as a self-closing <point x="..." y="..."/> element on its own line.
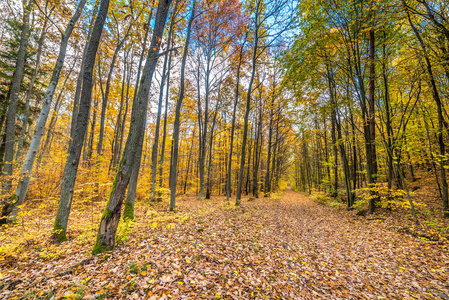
<point x="288" y="248"/>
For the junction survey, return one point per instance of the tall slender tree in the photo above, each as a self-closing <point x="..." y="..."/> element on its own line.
<point x="10" y="209"/>
<point x="71" y="167"/>
<point x="111" y="216"/>
<point x="174" y="158"/>
<point x="10" y="131"/>
<point x="154" y="155"/>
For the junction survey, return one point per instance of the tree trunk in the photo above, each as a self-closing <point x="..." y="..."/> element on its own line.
<point x="209" y="168"/>
<point x="346" y="169"/>
<point x="202" y="156"/>
<point x="248" y="107"/>
<point x="248" y="164"/>
<point x="441" y="121"/>
<point x="71" y="167"/>
<point x="257" y="151"/>
<point x="270" y="135"/>
<point x="123" y="123"/>
<point x="371" y="116"/>
<point x="26" y="114"/>
<point x="51" y="127"/>
<point x="231" y="146"/>
<point x="111" y="216"/>
<point x="354" y="153"/>
<point x="121" y="115"/>
<point x="174" y="157"/>
<point x="106" y="98"/>
<point x="188" y="161"/>
<point x="388" y="116"/>
<point x="10" y="131"/>
<point x="164" y="136"/>
<point x="79" y="81"/>
<point x="159" y="110"/>
<point x="132" y="187"/>
<point x="10" y="209"/>
<point x="334" y="146"/>
<point x="275" y="147"/>
<point x="92" y="133"/>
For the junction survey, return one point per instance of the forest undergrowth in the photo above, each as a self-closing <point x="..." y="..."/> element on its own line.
<point x="286" y="246"/>
<point x="393" y="208"/>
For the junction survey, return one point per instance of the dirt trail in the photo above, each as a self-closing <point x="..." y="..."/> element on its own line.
<point x="291" y="248"/>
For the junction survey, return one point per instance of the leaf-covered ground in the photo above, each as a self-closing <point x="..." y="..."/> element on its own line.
<point x="288" y="248"/>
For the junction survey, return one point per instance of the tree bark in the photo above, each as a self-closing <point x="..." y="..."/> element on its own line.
<point x="92" y="134"/>
<point x="270" y="134"/>
<point x="132" y="187"/>
<point x="26" y="114"/>
<point x="371" y="117"/>
<point x="231" y="146"/>
<point x="164" y="135"/>
<point x="248" y="164"/>
<point x="118" y="123"/>
<point x="174" y="158"/>
<point x="248" y="104"/>
<point x="123" y="122"/>
<point x="79" y="81"/>
<point x="188" y="161"/>
<point x="209" y="168"/>
<point x="10" y="209"/>
<point x="51" y="126"/>
<point x="203" y="132"/>
<point x="257" y="150"/>
<point x="10" y="131"/>
<point x="111" y="215"/>
<point x="106" y="93"/>
<point x="71" y="167"/>
<point x="388" y="116"/>
<point x="159" y="109"/>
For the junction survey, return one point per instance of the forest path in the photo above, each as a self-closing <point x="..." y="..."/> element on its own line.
<point x="288" y="247"/>
<point x="339" y="255"/>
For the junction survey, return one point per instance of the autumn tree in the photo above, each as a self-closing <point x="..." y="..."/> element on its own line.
<point x="111" y="216"/>
<point x="75" y="148"/>
<point x="10" y="208"/>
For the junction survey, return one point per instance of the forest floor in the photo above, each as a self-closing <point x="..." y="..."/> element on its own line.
<point x="287" y="247"/>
